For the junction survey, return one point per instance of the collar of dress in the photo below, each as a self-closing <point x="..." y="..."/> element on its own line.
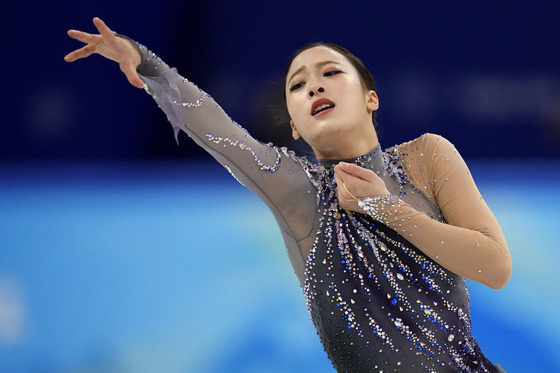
<point x="373" y="160"/>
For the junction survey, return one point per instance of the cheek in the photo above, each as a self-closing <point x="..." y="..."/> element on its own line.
<point x="289" y="108"/>
<point x="292" y="106"/>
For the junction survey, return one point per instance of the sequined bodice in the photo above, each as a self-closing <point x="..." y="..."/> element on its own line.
<point x="377" y="302"/>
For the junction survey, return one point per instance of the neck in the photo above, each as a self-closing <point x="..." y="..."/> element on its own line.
<point x="348" y="148"/>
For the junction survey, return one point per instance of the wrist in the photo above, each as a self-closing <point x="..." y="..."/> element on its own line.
<point x="134" y="45"/>
<point x="380" y="207"/>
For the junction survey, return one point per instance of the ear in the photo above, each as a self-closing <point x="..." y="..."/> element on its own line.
<point x="295" y="132"/>
<point x="372" y="101"/>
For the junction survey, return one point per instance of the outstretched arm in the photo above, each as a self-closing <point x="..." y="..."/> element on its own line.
<point x="275" y="175"/>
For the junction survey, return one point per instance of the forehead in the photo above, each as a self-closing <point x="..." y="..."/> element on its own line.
<point x="310" y="57"/>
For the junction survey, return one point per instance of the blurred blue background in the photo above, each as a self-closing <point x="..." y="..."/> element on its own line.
<point x="123" y="252"/>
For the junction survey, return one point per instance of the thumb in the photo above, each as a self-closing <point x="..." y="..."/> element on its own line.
<point x="129" y="71"/>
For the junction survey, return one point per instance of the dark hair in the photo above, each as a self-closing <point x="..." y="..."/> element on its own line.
<point x="365" y="76"/>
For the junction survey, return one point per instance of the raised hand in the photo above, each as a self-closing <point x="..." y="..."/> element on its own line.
<point x="354" y="183"/>
<point x="110" y="46"/>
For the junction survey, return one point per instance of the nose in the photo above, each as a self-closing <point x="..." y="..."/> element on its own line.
<point x="312" y="92"/>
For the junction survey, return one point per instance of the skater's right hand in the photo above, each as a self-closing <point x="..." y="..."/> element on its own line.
<point x="110" y="46"/>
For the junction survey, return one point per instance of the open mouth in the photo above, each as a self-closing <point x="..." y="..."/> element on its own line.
<point x="322" y="105"/>
<point x="322" y="108"/>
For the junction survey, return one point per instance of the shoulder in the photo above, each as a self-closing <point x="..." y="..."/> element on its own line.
<point x="426" y="155"/>
<point x="425" y="145"/>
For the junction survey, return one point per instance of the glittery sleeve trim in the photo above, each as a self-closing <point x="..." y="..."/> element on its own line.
<point x="151" y="64"/>
<point x="381" y="207"/>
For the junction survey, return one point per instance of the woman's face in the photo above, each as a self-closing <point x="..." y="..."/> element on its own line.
<point x="328" y="104"/>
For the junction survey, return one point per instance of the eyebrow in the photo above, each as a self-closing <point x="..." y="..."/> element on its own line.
<point x="318" y="64"/>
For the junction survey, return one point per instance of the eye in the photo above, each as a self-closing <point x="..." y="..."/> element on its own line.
<point x="296" y="86"/>
<point x="332" y="73"/>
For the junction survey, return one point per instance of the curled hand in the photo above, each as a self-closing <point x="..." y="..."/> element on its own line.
<point x="110" y="46"/>
<point x="354" y="183"/>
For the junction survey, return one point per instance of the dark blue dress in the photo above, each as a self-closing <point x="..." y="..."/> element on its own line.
<point x="378" y="302"/>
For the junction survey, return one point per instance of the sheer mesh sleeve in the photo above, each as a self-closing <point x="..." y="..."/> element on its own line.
<point x="276" y="175"/>
<point x="471" y="244"/>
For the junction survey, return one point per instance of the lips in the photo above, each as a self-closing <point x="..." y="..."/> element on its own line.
<point x="321" y="105"/>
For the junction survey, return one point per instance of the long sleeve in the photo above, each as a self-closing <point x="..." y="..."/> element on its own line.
<point x="471" y="244"/>
<point x="274" y="174"/>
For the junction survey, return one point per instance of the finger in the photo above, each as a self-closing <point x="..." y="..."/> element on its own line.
<point x="356" y="171"/>
<point x="83" y="52"/>
<point x="350" y="181"/>
<point x="351" y="168"/>
<point x="84" y="37"/>
<point x="103" y="29"/>
<point x="130" y="72"/>
<point x="70" y="57"/>
<point x="343" y="182"/>
<point x="347" y="195"/>
<point x="344" y="171"/>
<point x="340" y="176"/>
